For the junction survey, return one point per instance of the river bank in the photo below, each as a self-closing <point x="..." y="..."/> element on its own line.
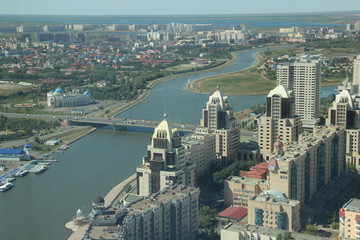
<point x="234" y="86"/>
<point x="116" y="109"/>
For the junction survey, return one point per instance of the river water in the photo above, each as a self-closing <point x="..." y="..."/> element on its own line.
<point x="38" y="206"/>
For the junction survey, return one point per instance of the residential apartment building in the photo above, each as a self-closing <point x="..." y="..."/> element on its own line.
<point x="345" y="113"/>
<point x="218" y="119"/>
<point x="200" y="150"/>
<point x="302" y="168"/>
<point x="303" y="77"/>
<point x="342" y="112"/>
<point x="279" y="121"/>
<point x="356" y="72"/>
<point x="238" y="190"/>
<point x="272" y="209"/>
<point x="171" y="214"/>
<point x="165" y="163"/>
<point x="349" y="220"/>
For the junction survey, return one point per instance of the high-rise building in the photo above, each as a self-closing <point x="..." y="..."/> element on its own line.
<point x="357" y="26"/>
<point x="218" y="119"/>
<point x="356" y="72"/>
<point x="200" y="150"/>
<point x="279" y="121"/>
<point x="349" y="220"/>
<point x="342" y="111"/>
<point x="165" y="163"/>
<point x="303" y="77"/>
<point x="304" y="167"/>
<point x="345" y="113"/>
<point x="169" y="214"/>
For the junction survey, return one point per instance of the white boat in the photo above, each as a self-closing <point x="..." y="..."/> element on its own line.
<point x="40" y="169"/>
<point x="22" y="173"/>
<point x="6" y="186"/>
<point x="10" y="179"/>
<point x="64" y="147"/>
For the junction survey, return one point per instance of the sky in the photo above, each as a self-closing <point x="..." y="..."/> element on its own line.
<point x="171" y="7"/>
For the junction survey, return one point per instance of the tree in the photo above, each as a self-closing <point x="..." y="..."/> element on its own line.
<point x="127" y="188"/>
<point x="287" y="236"/>
<point x="311" y="229"/>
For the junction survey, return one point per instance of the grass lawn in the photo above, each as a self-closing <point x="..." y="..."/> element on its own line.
<point x="240" y="83"/>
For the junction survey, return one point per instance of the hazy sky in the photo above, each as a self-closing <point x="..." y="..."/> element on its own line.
<point x="165" y="7"/>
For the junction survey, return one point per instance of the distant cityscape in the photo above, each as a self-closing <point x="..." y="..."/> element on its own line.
<point x="299" y="159"/>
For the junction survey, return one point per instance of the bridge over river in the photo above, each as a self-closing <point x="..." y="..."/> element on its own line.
<point x="123" y="124"/>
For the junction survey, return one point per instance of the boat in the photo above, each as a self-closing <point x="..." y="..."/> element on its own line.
<point x="64" y="147"/>
<point x="10" y="179"/>
<point x="22" y="173"/>
<point x="40" y="169"/>
<point x="6" y="186"/>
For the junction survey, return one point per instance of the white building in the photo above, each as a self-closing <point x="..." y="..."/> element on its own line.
<point x="303" y="77"/>
<point x="218" y="119"/>
<point x="59" y="98"/>
<point x="356" y="73"/>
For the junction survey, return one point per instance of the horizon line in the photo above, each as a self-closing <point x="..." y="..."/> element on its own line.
<point x="179" y="14"/>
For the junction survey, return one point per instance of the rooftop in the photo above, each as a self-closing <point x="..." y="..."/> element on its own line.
<point x="236" y="213"/>
<point x="306" y="140"/>
<point x="156" y="199"/>
<point x="234" y="227"/>
<point x="352" y="205"/>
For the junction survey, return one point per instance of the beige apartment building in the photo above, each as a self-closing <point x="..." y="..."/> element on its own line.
<point x="200" y="149"/>
<point x="218" y="119"/>
<point x="303" y="77"/>
<point x="165" y="163"/>
<point x="279" y="121"/>
<point x="356" y="72"/>
<point x="349" y="219"/>
<point x="345" y="113"/>
<point x="171" y="214"/>
<point x="238" y="190"/>
<point x="300" y="169"/>
<point x="273" y="209"/>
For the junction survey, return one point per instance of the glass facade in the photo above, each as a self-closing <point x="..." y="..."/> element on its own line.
<point x="281" y="220"/>
<point x="307" y="178"/>
<point x="320" y="167"/>
<point x="293" y="181"/>
<point x="259" y="217"/>
<point x="334" y="157"/>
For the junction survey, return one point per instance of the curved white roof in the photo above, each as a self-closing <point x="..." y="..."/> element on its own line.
<point x="345" y="97"/>
<point x="275" y="196"/>
<point x="164" y="130"/>
<point x="281" y="91"/>
<point x="217" y="97"/>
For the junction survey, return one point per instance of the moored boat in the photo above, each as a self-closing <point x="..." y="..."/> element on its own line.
<point x="22" y="173"/>
<point x="40" y="169"/>
<point x="6" y="186"/>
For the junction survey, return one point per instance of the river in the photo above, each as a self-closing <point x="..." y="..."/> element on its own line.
<point x="38" y="206"/>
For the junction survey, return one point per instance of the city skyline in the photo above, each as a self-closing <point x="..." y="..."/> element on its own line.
<point x="161" y="7"/>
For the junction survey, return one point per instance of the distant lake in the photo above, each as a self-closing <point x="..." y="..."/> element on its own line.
<point x="223" y="21"/>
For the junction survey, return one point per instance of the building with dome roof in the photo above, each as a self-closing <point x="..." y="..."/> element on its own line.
<point x="59" y="98"/>
<point x="165" y="163"/>
<point x="218" y="119"/>
<point x="279" y="121"/>
<point x="273" y="209"/>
